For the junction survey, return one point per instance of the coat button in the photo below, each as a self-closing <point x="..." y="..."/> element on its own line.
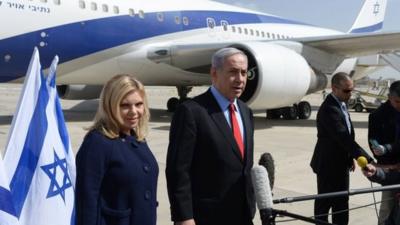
<point x="147" y="195"/>
<point x="146" y="168"/>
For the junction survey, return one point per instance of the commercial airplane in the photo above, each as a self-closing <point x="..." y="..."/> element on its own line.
<point x="170" y="43"/>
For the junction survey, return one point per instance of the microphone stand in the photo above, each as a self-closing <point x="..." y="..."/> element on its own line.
<point x="336" y="194"/>
<point x="297" y="216"/>
<point x="268" y="217"/>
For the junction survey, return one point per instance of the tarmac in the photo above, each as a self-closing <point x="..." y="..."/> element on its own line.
<point x="291" y="143"/>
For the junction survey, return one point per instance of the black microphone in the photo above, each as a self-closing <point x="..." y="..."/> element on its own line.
<point x="262" y="190"/>
<point x="267" y="161"/>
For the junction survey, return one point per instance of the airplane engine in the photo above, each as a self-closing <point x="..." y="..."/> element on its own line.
<point x="278" y="76"/>
<point x="79" y="92"/>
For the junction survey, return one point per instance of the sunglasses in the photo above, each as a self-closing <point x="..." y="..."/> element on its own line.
<point x="346" y="91"/>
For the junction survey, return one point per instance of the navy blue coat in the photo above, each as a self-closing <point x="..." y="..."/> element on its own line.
<point x="116" y="181"/>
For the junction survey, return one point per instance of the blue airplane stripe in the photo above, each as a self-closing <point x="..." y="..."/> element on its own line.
<point x="75" y="40"/>
<point x="371" y="28"/>
<point x="6" y="203"/>
<point x="28" y="161"/>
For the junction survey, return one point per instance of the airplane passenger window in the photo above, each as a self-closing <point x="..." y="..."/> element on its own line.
<point x="246" y="31"/>
<point x="240" y="30"/>
<point x="57" y="2"/>
<point x="251" y="32"/>
<point x="177" y="20"/>
<point x="105" y="8"/>
<point x="210" y="23"/>
<point x="233" y="29"/>
<point x="273" y="36"/>
<point x="268" y="35"/>
<point x="93" y="6"/>
<point x="82" y="4"/>
<point x="131" y="12"/>
<point x="141" y="14"/>
<point x="262" y="33"/>
<point x="43" y="0"/>
<point x="160" y="16"/>
<point x="185" y="21"/>
<point x="257" y="33"/>
<point x="224" y="25"/>
<point x="116" y="9"/>
<point x="278" y="36"/>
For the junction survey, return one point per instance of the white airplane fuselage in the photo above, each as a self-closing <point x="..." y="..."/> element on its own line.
<point x="98" y="39"/>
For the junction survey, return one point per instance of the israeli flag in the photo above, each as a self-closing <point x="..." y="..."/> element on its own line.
<point x="38" y="160"/>
<point x="7" y="211"/>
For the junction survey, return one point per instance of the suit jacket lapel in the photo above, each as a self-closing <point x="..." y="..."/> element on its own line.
<point x="219" y="119"/>
<point x="246" y="127"/>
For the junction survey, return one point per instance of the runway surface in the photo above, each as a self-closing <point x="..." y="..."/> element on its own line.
<point x="291" y="144"/>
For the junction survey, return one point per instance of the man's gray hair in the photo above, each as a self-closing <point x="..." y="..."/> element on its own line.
<point x="217" y="60"/>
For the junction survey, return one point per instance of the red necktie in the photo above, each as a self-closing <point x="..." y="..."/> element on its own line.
<point x="236" y="129"/>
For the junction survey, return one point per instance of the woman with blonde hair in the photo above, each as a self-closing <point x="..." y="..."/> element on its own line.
<point x="116" y="171"/>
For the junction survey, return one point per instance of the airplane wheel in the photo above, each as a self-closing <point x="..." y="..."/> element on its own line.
<point x="358" y="107"/>
<point x="304" y="110"/>
<point x="289" y="113"/>
<point x="172" y="104"/>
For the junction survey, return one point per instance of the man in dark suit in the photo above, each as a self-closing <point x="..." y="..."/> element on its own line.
<point x="384" y="136"/>
<point x="210" y="153"/>
<point x="335" y="150"/>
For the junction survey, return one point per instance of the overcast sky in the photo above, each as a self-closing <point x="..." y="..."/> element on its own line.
<point x="338" y="14"/>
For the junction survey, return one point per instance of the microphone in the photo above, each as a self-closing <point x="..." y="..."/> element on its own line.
<point x="267" y="161"/>
<point x="362" y="162"/>
<point x="259" y="177"/>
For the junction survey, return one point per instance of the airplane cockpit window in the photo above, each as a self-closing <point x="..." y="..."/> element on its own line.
<point x="57" y="2"/>
<point x="141" y="14"/>
<point x="185" y="20"/>
<point x="210" y="23"/>
<point x="160" y="16"/>
<point x="116" y="9"/>
<point x="131" y="12"/>
<point x="93" y="6"/>
<point x="82" y="4"/>
<point x="104" y="7"/>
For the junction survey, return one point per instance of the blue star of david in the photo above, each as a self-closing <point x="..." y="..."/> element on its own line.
<point x="376" y="8"/>
<point x="51" y="171"/>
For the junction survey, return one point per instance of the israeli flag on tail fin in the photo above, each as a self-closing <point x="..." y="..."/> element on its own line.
<point x="38" y="158"/>
<point x="370" y="18"/>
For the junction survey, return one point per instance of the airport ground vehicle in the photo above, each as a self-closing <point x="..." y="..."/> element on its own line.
<point x="359" y="103"/>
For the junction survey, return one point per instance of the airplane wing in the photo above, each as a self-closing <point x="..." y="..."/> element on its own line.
<point x="322" y="53"/>
<point x="351" y="45"/>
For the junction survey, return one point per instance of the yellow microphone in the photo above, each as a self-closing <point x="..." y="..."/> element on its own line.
<point x="362" y="162"/>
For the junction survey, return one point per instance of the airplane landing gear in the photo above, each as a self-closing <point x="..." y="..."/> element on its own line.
<point x="174" y="102"/>
<point x="302" y="110"/>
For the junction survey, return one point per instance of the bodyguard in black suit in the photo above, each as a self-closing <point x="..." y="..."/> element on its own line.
<point x="209" y="159"/>
<point x="384" y="128"/>
<point x="335" y="150"/>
